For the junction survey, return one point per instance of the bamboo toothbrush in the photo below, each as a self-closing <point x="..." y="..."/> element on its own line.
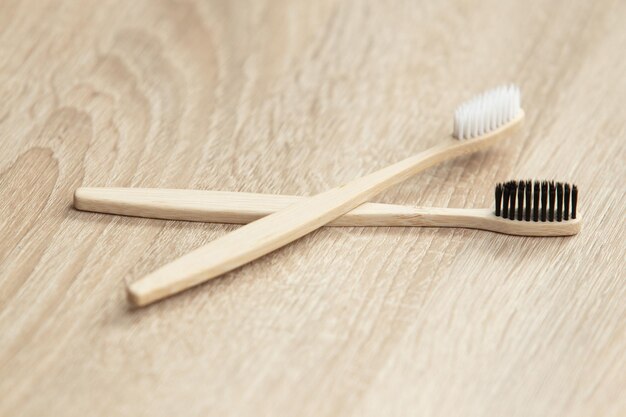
<point x="242" y="208"/>
<point x="478" y="123"/>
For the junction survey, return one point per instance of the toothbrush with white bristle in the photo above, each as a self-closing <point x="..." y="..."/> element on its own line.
<point x="473" y="131"/>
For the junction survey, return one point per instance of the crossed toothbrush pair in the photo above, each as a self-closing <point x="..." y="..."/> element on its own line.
<point x="521" y="207"/>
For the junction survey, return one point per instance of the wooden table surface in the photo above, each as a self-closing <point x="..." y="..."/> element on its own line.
<point x="295" y="97"/>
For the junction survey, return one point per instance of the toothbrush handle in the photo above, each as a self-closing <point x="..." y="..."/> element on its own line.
<point x="243" y="208"/>
<point x="276" y="230"/>
<point x="229" y="207"/>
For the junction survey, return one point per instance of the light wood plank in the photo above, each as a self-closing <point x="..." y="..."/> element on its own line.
<point x="295" y="98"/>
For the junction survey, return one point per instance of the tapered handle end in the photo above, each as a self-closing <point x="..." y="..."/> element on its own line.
<point x="137" y="297"/>
<point x="81" y="195"/>
<point x="147" y="290"/>
<point x="177" y="276"/>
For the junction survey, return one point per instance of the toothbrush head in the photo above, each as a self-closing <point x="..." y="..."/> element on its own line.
<point x="558" y="201"/>
<point x="488" y="112"/>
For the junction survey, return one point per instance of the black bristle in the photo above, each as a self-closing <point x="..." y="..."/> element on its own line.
<point x="544" y="200"/>
<point x="536" y="201"/>
<point x="547" y="200"/>
<point x="512" y="195"/>
<point x="551" y="201"/>
<point x="566" y="203"/>
<point x="559" y="201"/>
<point x="498" y="199"/>
<point x="528" y="199"/>
<point x="574" y="200"/>
<point x="505" y="200"/>
<point x="520" y="200"/>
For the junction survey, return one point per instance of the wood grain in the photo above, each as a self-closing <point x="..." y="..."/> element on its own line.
<point x="294" y="98"/>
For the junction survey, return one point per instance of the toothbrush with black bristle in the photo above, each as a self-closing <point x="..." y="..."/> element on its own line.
<point x="519" y="216"/>
<point x="480" y="122"/>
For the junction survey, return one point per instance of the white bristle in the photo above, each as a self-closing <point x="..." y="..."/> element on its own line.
<point x="486" y="112"/>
